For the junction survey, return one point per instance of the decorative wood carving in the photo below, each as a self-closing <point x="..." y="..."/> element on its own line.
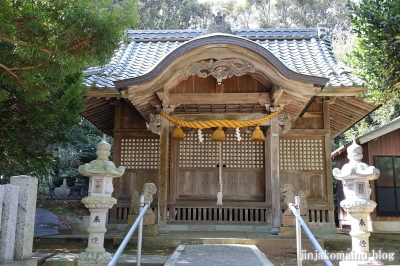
<point x="220" y="69"/>
<point x="155" y="123"/>
<point x="285" y="121"/>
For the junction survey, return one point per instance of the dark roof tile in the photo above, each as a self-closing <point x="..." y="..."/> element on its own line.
<point x="299" y="49"/>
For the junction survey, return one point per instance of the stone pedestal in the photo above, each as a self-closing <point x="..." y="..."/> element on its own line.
<point x="288" y="229"/>
<point x="150" y="229"/>
<point x="98" y="207"/>
<point x="288" y="220"/>
<point x="63" y="191"/>
<point x="100" y="172"/>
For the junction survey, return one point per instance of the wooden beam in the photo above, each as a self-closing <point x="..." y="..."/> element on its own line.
<point x="218" y="98"/>
<point x="163" y="94"/>
<point x="342" y="91"/>
<point x="312" y="114"/>
<point x="103" y="93"/>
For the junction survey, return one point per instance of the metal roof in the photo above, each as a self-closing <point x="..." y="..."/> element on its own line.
<point x="371" y="135"/>
<point x="301" y="50"/>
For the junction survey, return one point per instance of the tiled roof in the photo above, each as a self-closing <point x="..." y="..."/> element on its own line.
<point x="301" y="50"/>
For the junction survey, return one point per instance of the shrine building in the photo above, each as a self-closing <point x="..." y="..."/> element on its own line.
<point x="218" y="93"/>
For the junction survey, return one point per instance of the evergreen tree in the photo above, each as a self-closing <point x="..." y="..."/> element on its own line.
<point x="44" y="47"/>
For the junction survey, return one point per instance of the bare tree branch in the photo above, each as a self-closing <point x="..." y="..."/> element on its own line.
<point x="10" y="72"/>
<point x="48" y="51"/>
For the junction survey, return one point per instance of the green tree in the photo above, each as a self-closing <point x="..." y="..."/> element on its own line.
<point x="264" y="12"/>
<point x="173" y="14"/>
<point x="308" y="13"/>
<point x="44" y="46"/>
<point x="377" y="24"/>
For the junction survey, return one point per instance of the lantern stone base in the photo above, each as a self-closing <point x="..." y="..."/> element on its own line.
<point x="93" y="258"/>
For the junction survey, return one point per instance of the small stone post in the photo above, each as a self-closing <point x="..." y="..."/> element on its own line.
<point x="101" y="173"/>
<point x="355" y="176"/>
<point x="150" y="229"/>
<point x="25" y="216"/>
<point x="8" y="222"/>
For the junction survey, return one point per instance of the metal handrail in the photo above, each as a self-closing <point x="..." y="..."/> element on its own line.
<point x="299" y="221"/>
<point x="138" y="222"/>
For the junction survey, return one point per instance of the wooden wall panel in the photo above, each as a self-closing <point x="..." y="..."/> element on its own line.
<point x="197" y="184"/>
<point x="311" y="122"/>
<point x="388" y="144"/>
<point x="311" y="183"/>
<point x="135" y="179"/>
<point x="242" y="84"/>
<point x="237" y="184"/>
<point x="128" y="117"/>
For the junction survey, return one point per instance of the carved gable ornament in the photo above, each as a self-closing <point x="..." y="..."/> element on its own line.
<point x="220" y="69"/>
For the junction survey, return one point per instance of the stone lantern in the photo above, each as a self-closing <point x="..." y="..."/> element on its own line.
<point x="355" y="176"/>
<point x="101" y="173"/>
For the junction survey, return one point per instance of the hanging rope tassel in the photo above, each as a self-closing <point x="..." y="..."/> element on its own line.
<point x="257" y="135"/>
<point x="178" y="133"/>
<point x="218" y="135"/>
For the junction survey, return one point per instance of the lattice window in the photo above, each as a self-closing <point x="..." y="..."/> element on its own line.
<point x="193" y="153"/>
<point x="138" y="153"/>
<point x="235" y="154"/>
<point x="244" y="153"/>
<point x="301" y="154"/>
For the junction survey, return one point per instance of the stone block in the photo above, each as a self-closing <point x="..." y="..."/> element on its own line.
<point x="288" y="220"/>
<point x="289" y="232"/>
<point x="26" y="215"/>
<point x="30" y="262"/>
<point x="64" y="262"/>
<point x="148" y="231"/>
<point x="91" y="263"/>
<point x="148" y="219"/>
<point x="8" y="222"/>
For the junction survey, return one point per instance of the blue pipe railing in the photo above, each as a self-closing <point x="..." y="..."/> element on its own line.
<point x="299" y="221"/>
<point x="138" y="222"/>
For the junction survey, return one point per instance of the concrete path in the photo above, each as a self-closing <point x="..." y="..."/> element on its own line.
<point x="218" y="255"/>
<point x="185" y="255"/>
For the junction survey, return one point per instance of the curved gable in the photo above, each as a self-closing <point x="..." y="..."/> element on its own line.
<point x="170" y="69"/>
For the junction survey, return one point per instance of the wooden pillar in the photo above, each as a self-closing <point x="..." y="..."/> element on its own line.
<point x="163" y="176"/>
<point x="274" y="174"/>
<point x="117" y="182"/>
<point x="173" y="168"/>
<point x="328" y="160"/>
